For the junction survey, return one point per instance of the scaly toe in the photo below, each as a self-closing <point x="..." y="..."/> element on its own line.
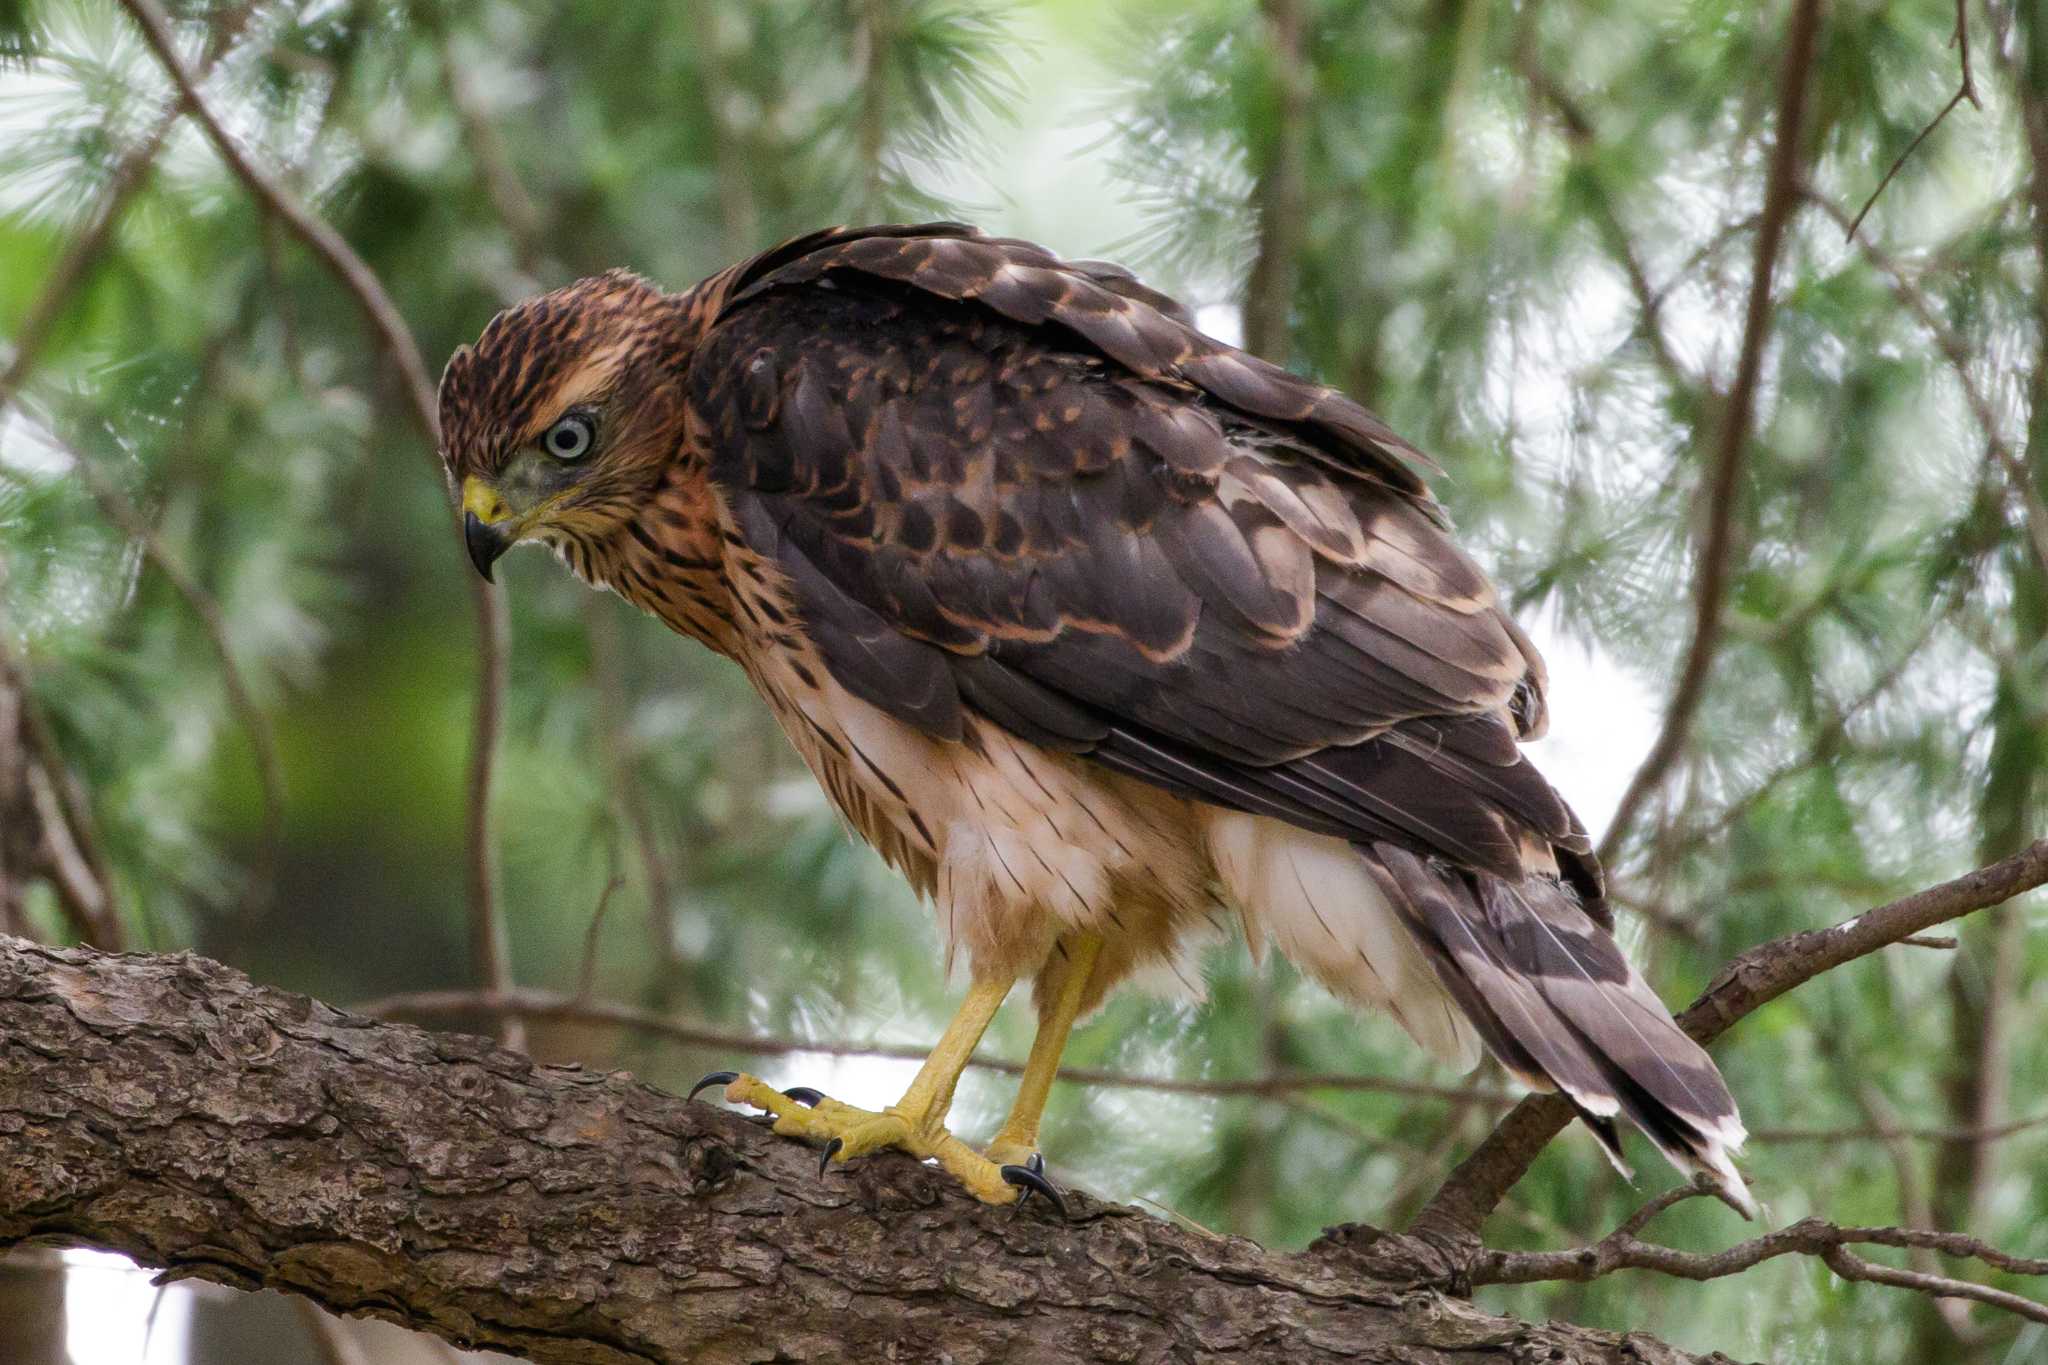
<point x="1004" y="1153"/>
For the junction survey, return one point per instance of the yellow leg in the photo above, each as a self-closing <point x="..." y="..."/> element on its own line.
<point x="1016" y="1142"/>
<point x="917" y="1122"/>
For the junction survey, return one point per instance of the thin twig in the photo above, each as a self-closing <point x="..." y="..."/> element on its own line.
<point x="1661" y="917"/>
<point x="490" y="947"/>
<point x="1622" y="1249"/>
<point x="120" y="510"/>
<point x="582" y="1008"/>
<point x="873" y="34"/>
<point x="610" y="707"/>
<point x="1762" y="974"/>
<point x="540" y="1004"/>
<point x="71" y="850"/>
<point x="515" y="208"/>
<point x="1457" y="1210"/>
<point x="1959" y="358"/>
<point x="129" y="175"/>
<point x="1881" y="1132"/>
<point x="1827" y="741"/>
<point x="322" y="239"/>
<point x="87" y="899"/>
<point x="1650" y="298"/>
<point x="490" y="959"/>
<point x="1717" y="550"/>
<point x="1966" y="91"/>
<point x="586" y="974"/>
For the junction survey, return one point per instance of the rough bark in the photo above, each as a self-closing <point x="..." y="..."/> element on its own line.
<point x="167" y="1108"/>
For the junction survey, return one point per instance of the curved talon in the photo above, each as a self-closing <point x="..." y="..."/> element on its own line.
<point x="804" y="1095"/>
<point x="1031" y="1180"/>
<point x="715" y="1078"/>
<point x="831" y="1150"/>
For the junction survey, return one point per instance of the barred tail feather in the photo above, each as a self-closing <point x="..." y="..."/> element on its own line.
<point x="1554" y="998"/>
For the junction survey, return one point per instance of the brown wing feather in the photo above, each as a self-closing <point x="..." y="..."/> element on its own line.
<point x="1002" y="483"/>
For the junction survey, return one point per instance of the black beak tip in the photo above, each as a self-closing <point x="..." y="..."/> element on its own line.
<point x="484" y="542"/>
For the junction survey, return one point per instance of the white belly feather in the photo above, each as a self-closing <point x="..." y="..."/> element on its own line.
<point x="1017" y="846"/>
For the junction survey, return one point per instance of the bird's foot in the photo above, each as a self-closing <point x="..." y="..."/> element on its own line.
<point x="846" y="1131"/>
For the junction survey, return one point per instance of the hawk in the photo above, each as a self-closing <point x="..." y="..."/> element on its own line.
<point x="1090" y="624"/>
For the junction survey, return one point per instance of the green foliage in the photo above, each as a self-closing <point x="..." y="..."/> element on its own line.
<point x="1528" y="239"/>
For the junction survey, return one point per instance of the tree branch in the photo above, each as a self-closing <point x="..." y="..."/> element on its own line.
<point x="533" y="1004"/>
<point x="1282" y="192"/>
<point x="166" y="1108"/>
<point x="516" y="209"/>
<point x="1623" y="1250"/>
<point x="539" y="1004"/>
<point x="1455" y="1214"/>
<point x="490" y="954"/>
<point x="51" y="821"/>
<point x="1965" y="91"/>
<point x="1717" y="549"/>
<point x="1915" y="301"/>
<point x="129" y="175"/>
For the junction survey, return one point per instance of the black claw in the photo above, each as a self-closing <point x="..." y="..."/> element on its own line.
<point x="715" y="1078"/>
<point x="831" y="1150"/>
<point x="1036" y="1165"/>
<point x="1031" y="1180"/>
<point x="804" y="1095"/>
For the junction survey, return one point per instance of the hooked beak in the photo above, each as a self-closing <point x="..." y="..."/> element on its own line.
<point x="488" y="526"/>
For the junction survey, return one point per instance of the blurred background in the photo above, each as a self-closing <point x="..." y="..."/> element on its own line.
<point x="238" y="658"/>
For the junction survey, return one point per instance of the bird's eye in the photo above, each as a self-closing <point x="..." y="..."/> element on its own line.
<point x="570" y="438"/>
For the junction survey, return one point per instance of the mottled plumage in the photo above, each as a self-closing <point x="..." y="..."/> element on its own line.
<point x="1091" y="624"/>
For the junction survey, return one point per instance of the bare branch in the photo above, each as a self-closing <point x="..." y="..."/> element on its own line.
<point x="490" y="957"/>
<point x="69" y="845"/>
<point x="533" y="1003"/>
<point x="609" y="707"/>
<point x="1717" y="549"/>
<point x="1764" y="973"/>
<point x="1882" y="1132"/>
<point x="490" y="946"/>
<point x="1623" y="1250"/>
<point x="1456" y="1212"/>
<point x="586" y="975"/>
<point x="873" y="31"/>
<point x="165" y="1108"/>
<point x="335" y="253"/>
<point x="1966" y="91"/>
<point x="539" y="1004"/>
<point x="1282" y="192"/>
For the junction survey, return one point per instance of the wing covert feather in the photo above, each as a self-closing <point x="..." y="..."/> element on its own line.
<point x="1010" y="487"/>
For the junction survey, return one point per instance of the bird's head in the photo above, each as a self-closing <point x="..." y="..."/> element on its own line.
<point x="563" y="416"/>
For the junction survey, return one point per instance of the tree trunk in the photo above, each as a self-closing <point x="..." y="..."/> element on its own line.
<point x="166" y="1108"/>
